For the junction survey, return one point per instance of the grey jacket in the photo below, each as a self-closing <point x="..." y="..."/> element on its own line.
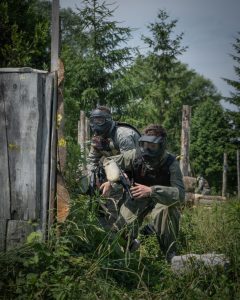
<point x="121" y="139"/>
<point x="166" y="195"/>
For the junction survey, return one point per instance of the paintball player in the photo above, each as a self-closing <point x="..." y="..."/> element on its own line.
<point x="158" y="190"/>
<point x="202" y="186"/>
<point x="109" y="138"/>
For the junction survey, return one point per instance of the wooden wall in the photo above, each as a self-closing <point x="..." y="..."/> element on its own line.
<point x="26" y="127"/>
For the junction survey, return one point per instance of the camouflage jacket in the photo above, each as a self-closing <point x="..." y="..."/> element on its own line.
<point x="166" y="195"/>
<point x="121" y="139"/>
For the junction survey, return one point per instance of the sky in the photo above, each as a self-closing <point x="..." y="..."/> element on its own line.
<point x="210" y="28"/>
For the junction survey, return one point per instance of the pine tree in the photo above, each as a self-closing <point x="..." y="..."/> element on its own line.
<point x="209" y="140"/>
<point x="235" y="96"/>
<point x="95" y="58"/>
<point x="25" y="33"/>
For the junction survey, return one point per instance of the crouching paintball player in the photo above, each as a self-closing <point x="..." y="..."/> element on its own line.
<point x="109" y="138"/>
<point x="157" y="189"/>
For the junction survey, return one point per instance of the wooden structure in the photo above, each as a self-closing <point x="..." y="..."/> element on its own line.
<point x="224" y="179"/>
<point x="28" y="102"/>
<point x="185" y="140"/>
<point x="83" y="133"/>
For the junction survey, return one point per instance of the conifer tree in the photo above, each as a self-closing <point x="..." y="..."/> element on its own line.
<point x="234" y="97"/>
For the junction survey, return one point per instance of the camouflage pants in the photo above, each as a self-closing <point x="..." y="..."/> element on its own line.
<point x="164" y="219"/>
<point x="109" y="207"/>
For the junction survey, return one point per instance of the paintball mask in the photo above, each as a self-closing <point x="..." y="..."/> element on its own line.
<point x="152" y="147"/>
<point x="100" y="122"/>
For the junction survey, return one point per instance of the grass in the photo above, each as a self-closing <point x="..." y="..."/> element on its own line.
<point x="84" y="262"/>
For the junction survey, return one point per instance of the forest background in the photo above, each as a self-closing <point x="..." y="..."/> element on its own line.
<point x="83" y="262"/>
<point x="140" y="88"/>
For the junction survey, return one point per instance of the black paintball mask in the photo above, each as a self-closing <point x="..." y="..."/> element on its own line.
<point x="100" y="122"/>
<point x="152" y="148"/>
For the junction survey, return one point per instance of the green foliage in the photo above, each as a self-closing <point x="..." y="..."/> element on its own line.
<point x="25" y="33"/>
<point x="165" y="48"/>
<point x="95" y="59"/>
<point x="158" y="102"/>
<point x="209" y="140"/>
<point x="234" y="97"/>
<point x="81" y="259"/>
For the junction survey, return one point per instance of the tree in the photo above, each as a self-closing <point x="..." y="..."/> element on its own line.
<point x="235" y="96"/>
<point x="209" y="140"/>
<point x="166" y="83"/>
<point x="25" y="33"/>
<point x="148" y="105"/>
<point x="165" y="48"/>
<point x="95" y="59"/>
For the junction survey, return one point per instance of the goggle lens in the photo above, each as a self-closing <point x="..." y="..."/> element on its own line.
<point x="152" y="147"/>
<point x="97" y="120"/>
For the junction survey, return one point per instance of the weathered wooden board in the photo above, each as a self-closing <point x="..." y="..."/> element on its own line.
<point x="17" y="232"/>
<point x="53" y="158"/>
<point x="24" y="139"/>
<point x="46" y="139"/>
<point x="3" y="227"/>
<point x="27" y="129"/>
<point x="4" y="173"/>
<point x="195" y="199"/>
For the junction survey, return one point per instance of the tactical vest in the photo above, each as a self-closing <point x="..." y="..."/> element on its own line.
<point x="155" y="177"/>
<point x="122" y="124"/>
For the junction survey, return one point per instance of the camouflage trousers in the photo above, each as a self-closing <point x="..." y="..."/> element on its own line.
<point x="164" y="219"/>
<point x="110" y="206"/>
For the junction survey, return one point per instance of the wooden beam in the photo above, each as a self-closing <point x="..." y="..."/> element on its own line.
<point x="55" y="36"/>
<point x="224" y="183"/>
<point x="185" y="140"/>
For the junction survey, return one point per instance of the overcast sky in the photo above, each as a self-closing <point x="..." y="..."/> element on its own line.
<point x="210" y="28"/>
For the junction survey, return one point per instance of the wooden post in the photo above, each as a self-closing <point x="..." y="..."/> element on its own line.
<point x="185" y="140"/>
<point x="224" y="182"/>
<point x="87" y="134"/>
<point x="82" y="133"/>
<point x="54" y="68"/>
<point x="238" y="173"/>
<point x="55" y="36"/>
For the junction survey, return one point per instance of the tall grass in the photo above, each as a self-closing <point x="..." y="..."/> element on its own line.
<point x="84" y="262"/>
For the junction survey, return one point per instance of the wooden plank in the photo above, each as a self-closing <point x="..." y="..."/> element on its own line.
<point x="46" y="140"/>
<point x="87" y="136"/>
<point x="185" y="140"/>
<point x="23" y="136"/>
<point x="196" y="199"/>
<point x="224" y="183"/>
<point x="53" y="159"/>
<point x="55" y="36"/>
<point x="4" y="172"/>
<point x="3" y="234"/>
<point x="17" y="232"/>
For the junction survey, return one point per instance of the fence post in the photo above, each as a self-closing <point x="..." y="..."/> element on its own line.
<point x="185" y="140"/>
<point x="238" y="173"/>
<point x="224" y="184"/>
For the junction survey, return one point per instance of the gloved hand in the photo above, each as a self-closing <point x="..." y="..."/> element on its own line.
<point x="100" y="143"/>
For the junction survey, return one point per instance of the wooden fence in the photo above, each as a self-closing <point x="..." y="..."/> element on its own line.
<point x="27" y="143"/>
<point x="83" y="134"/>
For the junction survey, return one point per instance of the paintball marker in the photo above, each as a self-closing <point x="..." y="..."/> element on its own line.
<point x="115" y="174"/>
<point x="97" y="177"/>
